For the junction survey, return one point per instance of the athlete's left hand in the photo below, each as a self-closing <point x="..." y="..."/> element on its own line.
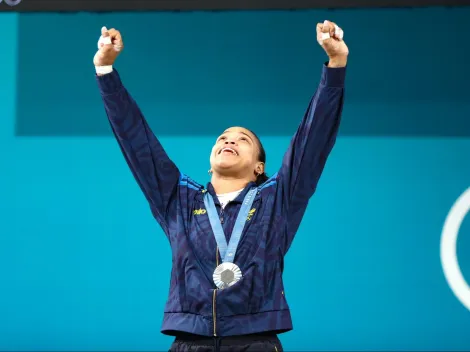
<point x="330" y="38"/>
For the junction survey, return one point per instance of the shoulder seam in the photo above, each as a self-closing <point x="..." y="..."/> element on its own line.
<point x="185" y="180"/>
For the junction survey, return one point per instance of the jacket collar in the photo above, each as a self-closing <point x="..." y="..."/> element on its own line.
<point x="238" y="199"/>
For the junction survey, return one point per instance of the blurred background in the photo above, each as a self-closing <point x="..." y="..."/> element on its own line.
<point x="85" y="267"/>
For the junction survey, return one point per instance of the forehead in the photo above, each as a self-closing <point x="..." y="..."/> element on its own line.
<point x="240" y="130"/>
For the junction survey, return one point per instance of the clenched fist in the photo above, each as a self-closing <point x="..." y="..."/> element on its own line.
<point x="110" y="46"/>
<point x="330" y="38"/>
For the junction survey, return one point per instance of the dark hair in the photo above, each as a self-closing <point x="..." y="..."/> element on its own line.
<point x="261" y="157"/>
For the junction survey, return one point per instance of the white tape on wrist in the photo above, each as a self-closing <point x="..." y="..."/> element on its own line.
<point x="103" y="70"/>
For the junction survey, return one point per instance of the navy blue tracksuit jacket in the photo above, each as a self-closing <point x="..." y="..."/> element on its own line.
<point x="256" y="303"/>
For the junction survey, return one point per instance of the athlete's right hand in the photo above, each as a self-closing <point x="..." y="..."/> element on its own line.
<point x="107" y="53"/>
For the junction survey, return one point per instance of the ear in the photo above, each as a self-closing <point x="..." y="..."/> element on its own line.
<point x="259" y="168"/>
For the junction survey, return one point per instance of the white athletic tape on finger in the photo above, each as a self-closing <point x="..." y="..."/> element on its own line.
<point x="325" y="36"/>
<point x="104" y="41"/>
<point x="338" y="32"/>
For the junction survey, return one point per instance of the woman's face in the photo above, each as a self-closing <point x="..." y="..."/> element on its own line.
<point x="235" y="153"/>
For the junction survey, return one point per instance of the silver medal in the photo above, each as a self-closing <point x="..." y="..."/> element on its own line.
<point x="226" y="274"/>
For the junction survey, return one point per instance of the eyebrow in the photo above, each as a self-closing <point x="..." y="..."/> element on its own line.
<point x="241" y="133"/>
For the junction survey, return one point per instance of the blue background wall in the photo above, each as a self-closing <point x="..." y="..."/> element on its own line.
<point x="85" y="267"/>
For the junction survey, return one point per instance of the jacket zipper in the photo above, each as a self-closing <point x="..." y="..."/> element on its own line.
<point x="222" y="215"/>
<point x="274" y="346"/>
<point x="214" y="316"/>
<point x="213" y="312"/>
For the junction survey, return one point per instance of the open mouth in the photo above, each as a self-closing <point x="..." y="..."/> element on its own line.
<point x="228" y="151"/>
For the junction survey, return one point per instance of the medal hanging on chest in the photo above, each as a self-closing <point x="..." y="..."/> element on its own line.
<point x="228" y="273"/>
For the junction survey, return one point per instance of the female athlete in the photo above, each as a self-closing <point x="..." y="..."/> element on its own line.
<point x="228" y="238"/>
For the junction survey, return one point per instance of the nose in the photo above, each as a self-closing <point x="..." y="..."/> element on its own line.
<point x="229" y="141"/>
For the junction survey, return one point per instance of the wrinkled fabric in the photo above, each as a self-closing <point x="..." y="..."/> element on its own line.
<point x="256" y="303"/>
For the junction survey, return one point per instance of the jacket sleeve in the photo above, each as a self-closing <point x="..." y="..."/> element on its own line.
<point x="155" y="173"/>
<point x="309" y="149"/>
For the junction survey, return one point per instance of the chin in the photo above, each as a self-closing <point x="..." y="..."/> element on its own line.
<point x="223" y="163"/>
<point x="225" y="166"/>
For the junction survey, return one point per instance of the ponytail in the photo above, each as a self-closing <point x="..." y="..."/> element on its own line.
<point x="261" y="179"/>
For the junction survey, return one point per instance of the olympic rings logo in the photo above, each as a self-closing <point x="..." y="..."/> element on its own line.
<point x="449" y="261"/>
<point x="11" y="2"/>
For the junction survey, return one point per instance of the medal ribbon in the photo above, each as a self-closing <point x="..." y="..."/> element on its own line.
<point x="227" y="252"/>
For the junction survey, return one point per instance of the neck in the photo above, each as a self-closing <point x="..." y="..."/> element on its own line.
<point x="226" y="184"/>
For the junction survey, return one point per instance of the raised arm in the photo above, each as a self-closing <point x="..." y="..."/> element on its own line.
<point x="153" y="170"/>
<point x="311" y="145"/>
